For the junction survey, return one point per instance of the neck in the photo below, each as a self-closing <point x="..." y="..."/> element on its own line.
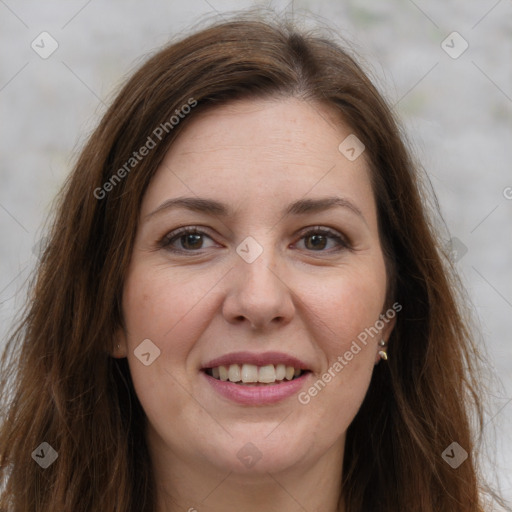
<point x="193" y="487"/>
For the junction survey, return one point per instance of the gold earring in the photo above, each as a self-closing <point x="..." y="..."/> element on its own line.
<point x="382" y="353"/>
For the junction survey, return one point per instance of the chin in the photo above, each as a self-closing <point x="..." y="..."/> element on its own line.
<point x="256" y="452"/>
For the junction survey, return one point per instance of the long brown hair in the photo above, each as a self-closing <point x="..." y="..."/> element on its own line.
<point x="59" y="383"/>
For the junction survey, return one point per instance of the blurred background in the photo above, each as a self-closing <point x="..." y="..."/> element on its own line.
<point x="445" y="66"/>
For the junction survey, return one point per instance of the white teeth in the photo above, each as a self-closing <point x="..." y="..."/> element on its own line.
<point x="223" y="373"/>
<point x="234" y="373"/>
<point x="250" y="373"/>
<point x="280" y="371"/>
<point x="267" y="374"/>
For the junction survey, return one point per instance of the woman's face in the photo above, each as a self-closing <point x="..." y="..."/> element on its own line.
<point x="282" y="270"/>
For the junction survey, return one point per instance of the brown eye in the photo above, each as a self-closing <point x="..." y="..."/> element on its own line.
<point x="187" y="239"/>
<point x="324" y="240"/>
<point x="316" y="242"/>
<point x="191" y="241"/>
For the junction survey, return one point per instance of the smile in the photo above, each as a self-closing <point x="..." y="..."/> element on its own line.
<point x="251" y="374"/>
<point x="256" y="379"/>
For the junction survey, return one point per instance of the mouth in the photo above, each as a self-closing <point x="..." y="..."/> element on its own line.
<point x="251" y="379"/>
<point x="247" y="374"/>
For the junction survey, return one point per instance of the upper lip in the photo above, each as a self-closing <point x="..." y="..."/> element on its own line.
<point x="261" y="359"/>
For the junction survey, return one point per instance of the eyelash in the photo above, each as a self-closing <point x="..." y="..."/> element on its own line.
<point x="168" y="239"/>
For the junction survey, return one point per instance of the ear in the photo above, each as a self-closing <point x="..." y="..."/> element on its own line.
<point x="388" y="328"/>
<point x="120" y="349"/>
<point x="389" y="321"/>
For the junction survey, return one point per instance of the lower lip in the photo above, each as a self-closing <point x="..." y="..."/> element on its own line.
<point x="257" y="395"/>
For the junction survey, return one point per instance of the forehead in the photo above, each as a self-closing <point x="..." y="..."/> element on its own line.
<point x="258" y="150"/>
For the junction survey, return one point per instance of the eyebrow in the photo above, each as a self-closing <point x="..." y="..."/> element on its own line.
<point x="213" y="207"/>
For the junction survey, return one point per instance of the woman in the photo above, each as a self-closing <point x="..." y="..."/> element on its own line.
<point x="243" y="304"/>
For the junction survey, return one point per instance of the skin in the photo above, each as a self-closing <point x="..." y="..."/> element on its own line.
<point x="305" y="299"/>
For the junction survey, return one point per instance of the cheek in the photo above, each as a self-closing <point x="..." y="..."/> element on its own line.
<point x="344" y="311"/>
<point x="172" y="311"/>
<point x="166" y="307"/>
<point x="344" y="307"/>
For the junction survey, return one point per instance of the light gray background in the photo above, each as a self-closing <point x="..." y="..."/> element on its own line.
<point x="457" y="113"/>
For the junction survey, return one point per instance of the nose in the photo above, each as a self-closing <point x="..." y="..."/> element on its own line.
<point x="258" y="294"/>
